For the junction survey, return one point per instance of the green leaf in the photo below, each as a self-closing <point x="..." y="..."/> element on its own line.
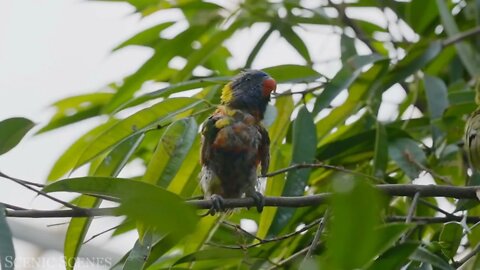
<point x="295" y="40"/>
<point x="437" y="99"/>
<point x="408" y="156"/>
<point x="424" y="255"/>
<point x="253" y="54"/>
<point x="467" y="54"/>
<point x="421" y="14"/>
<point x="164" y="52"/>
<point x="304" y="144"/>
<point x="175" y="88"/>
<point x="450" y="237"/>
<point x="388" y="235"/>
<point x="138" y="255"/>
<point x="347" y="47"/>
<point x="76" y="108"/>
<point x="158" y="114"/>
<point x="171" y="151"/>
<point x="12" y="131"/>
<point x="7" y="251"/>
<point x="146" y="203"/>
<point x="278" y="159"/>
<point x="199" y="56"/>
<point x="356" y="210"/>
<point x="364" y="86"/>
<point x="395" y="257"/>
<point x="111" y="165"/>
<point x="380" y="157"/>
<point x="147" y="37"/>
<point x="343" y="79"/>
<point x="67" y="161"/>
<point x="416" y="58"/>
<point x="77" y="230"/>
<point x="292" y="73"/>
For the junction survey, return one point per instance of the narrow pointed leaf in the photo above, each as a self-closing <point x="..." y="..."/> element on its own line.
<point x="304" y="145"/>
<point x="171" y="151"/>
<point x="158" y="114"/>
<point x="343" y="79"/>
<point x="12" y="131"/>
<point x="110" y="166"/>
<point x="146" y="203"/>
<point x="7" y="251"/>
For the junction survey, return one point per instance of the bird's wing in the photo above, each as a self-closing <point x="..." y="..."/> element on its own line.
<point x="209" y="132"/>
<point x="264" y="150"/>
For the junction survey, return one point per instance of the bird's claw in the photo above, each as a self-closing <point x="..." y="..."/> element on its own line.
<point x="217" y="204"/>
<point x="259" y="200"/>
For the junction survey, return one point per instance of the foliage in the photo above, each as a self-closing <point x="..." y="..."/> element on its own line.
<point x="419" y="54"/>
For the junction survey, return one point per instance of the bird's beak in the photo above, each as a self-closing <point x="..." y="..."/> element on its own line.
<point x="269" y="86"/>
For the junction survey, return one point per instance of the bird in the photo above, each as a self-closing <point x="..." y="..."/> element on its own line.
<point x="235" y="144"/>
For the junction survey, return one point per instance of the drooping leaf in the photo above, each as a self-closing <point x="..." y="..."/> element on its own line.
<point x="76" y="108"/>
<point x="408" y="156"/>
<point x="159" y="114"/>
<point x="304" y="144"/>
<point x="67" y="161"/>
<point x="164" y="52"/>
<point x="395" y="257"/>
<point x="450" y="238"/>
<point x="110" y="166"/>
<point x="467" y="54"/>
<point x="171" y="151"/>
<point x="7" y="251"/>
<point x="147" y="37"/>
<point x="138" y="255"/>
<point x="12" y="131"/>
<point x="380" y="158"/>
<point x="424" y="255"/>
<point x="146" y="203"/>
<point x="292" y="73"/>
<point x="343" y="79"/>
<point x="356" y="210"/>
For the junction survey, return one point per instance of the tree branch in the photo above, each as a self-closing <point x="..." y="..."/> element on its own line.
<point x="461" y="36"/>
<point x="299" y="201"/>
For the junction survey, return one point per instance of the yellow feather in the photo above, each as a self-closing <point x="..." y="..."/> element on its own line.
<point x="227" y="94"/>
<point x="222" y="123"/>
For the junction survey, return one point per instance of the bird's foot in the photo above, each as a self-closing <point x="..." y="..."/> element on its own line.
<point x="217" y="204"/>
<point x="259" y="200"/>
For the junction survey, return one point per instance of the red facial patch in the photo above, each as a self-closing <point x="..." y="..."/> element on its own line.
<point x="269" y="86"/>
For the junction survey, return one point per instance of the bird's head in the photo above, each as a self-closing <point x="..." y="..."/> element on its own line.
<point x="249" y="91"/>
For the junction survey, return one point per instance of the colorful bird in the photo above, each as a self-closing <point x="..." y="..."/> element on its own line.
<point x="234" y="141"/>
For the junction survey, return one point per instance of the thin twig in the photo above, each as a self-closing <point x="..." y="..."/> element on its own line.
<point x="324" y="166"/>
<point x="467" y="257"/>
<point x="433" y="220"/>
<point x="239" y="228"/>
<point x="410" y="214"/>
<point x="100" y="233"/>
<point x="349" y="22"/>
<point x="461" y="36"/>
<point x="13" y="207"/>
<point x="264" y="241"/>
<point x="39" y="192"/>
<point x="292" y="257"/>
<point x="316" y="238"/>
<point x="436" y="208"/>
